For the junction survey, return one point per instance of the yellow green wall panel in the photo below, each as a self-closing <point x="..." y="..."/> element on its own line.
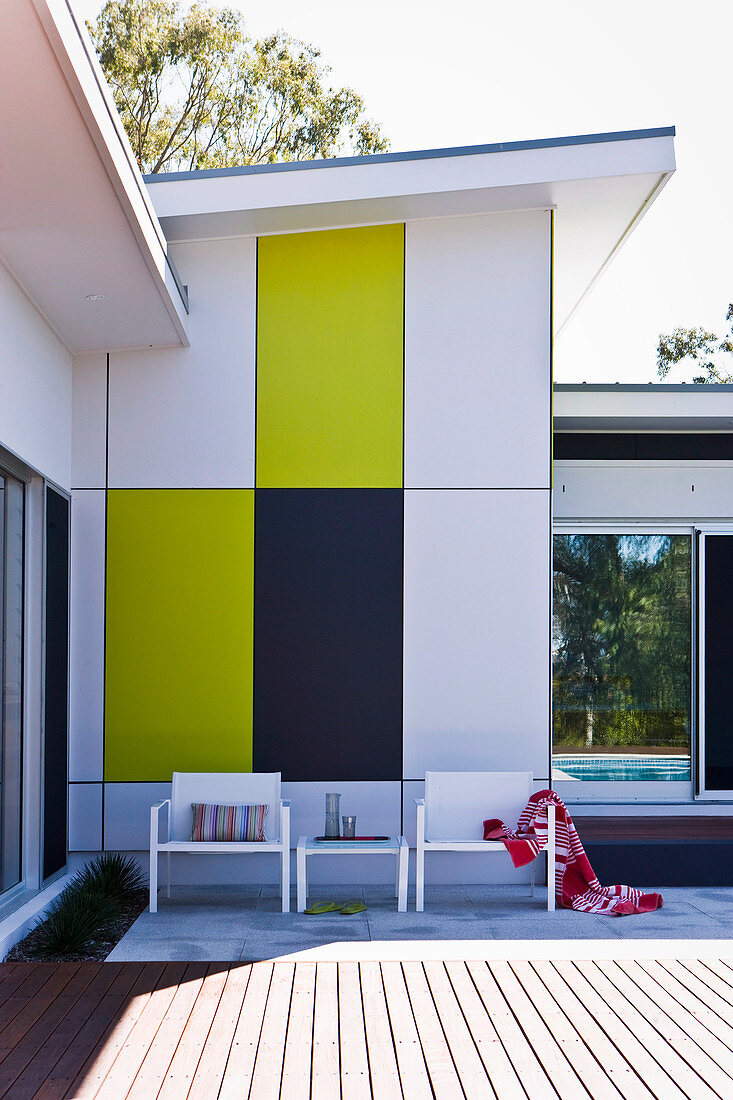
<point x="179" y="632"/>
<point x="330" y="359"/>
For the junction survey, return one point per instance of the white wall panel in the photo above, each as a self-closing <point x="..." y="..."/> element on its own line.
<point x="89" y="421"/>
<point x="477" y="631"/>
<point x="643" y="490"/>
<point x="85" y="817"/>
<point x="184" y="417"/>
<point x="477" y="352"/>
<point x="35" y="386"/>
<point x="86" y="686"/>
<point x="127" y="814"/>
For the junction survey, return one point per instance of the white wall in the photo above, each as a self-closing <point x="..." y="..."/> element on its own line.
<point x="477" y="507"/>
<point x="477" y="349"/>
<point x="477" y="631"/>
<point x="643" y="490"/>
<point x="185" y="417"/>
<point x="477" y="500"/>
<point x="35" y="386"/>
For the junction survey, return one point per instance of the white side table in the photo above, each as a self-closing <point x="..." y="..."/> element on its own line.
<point x="394" y="845"/>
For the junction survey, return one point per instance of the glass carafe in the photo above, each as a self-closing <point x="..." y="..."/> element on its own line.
<point x="332" y="815"/>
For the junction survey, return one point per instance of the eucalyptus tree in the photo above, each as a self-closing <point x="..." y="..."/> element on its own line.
<point x="195" y="91"/>
<point x="702" y="348"/>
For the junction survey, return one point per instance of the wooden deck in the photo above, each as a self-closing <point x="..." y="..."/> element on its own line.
<point x="645" y="1030"/>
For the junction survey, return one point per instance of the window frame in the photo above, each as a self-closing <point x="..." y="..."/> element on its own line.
<point x="630" y="792"/>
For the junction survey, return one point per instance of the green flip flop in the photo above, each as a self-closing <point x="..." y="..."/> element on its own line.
<point x="321" y="907"/>
<point x="352" y="907"/>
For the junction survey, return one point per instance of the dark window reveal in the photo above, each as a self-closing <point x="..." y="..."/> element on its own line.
<point x="56" y="690"/>
<point x="659" y="446"/>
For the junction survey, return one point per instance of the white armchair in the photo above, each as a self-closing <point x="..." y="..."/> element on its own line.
<point x="450" y="818"/>
<point x="174" y="816"/>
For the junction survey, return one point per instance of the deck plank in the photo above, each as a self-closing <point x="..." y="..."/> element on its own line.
<point x="559" y="1070"/>
<point x="210" y="1070"/>
<point x="520" y="1030"/>
<point x="12" y="977"/>
<point x="709" y="973"/>
<point x="527" y="1066"/>
<point x="684" y="1077"/>
<point x="58" y="1028"/>
<point x="468" y="1064"/>
<point x="90" y="1036"/>
<point x="383" y="1071"/>
<point x="25" y="1025"/>
<point x="237" y="1078"/>
<point x="570" y="1042"/>
<point x="185" y="1061"/>
<point x="499" y="1069"/>
<point x="161" y="1051"/>
<point x="714" y="1079"/>
<point x="297" y="1062"/>
<point x="352" y="1037"/>
<point x="620" y="1031"/>
<point x="697" y="987"/>
<point x="98" y="1064"/>
<point x="408" y="1050"/>
<point x="436" y="1052"/>
<point x="614" y="1064"/>
<point x="685" y="1019"/>
<point x="326" y="1066"/>
<point x="267" y="1076"/>
<point x="722" y="1030"/>
<point x="131" y="1055"/>
<point x="28" y="1001"/>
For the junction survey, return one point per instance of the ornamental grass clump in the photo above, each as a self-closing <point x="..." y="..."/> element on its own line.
<point x="112" y="875"/>
<point x="88" y="909"/>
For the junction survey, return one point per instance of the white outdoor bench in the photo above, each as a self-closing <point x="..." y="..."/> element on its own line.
<point x="222" y="788"/>
<point x="450" y="818"/>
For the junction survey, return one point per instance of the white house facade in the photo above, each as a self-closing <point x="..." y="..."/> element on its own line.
<point x="276" y="452"/>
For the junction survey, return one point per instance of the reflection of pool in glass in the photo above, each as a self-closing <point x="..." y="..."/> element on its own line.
<point x="607" y="768"/>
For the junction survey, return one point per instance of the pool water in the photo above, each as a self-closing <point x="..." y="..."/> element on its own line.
<point x="607" y="768"/>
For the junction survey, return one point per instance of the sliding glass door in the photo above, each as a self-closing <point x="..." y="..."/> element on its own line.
<point x="12" y="507"/>
<point x="622" y="661"/>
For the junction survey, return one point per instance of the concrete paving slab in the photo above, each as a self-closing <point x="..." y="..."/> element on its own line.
<point x="173" y="950"/>
<point x="221" y="923"/>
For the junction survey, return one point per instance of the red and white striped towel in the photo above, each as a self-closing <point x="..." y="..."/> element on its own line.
<point x="576" y="886"/>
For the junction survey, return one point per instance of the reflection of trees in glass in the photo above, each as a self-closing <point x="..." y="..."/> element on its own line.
<point x="621" y="641"/>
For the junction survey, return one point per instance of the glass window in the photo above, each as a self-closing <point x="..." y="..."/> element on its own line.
<point x="621" y="657"/>
<point x="11" y="678"/>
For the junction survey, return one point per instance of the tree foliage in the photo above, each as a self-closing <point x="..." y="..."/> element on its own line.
<point x="702" y="347"/>
<point x="194" y="91"/>
<point x="621" y="640"/>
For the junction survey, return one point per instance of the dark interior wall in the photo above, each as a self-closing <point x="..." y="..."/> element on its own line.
<point x="718" y="649"/>
<point x="56" y="685"/>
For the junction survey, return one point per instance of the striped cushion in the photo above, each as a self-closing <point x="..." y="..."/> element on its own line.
<point x="212" y="822"/>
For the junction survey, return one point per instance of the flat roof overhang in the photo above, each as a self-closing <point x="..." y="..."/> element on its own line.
<point x="75" y="215"/>
<point x="661" y="407"/>
<point x="599" y="186"/>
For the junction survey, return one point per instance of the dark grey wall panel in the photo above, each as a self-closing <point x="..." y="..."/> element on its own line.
<point x="56" y="690"/>
<point x="328" y="633"/>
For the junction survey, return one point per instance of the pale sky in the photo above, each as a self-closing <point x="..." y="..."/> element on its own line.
<point x="474" y="71"/>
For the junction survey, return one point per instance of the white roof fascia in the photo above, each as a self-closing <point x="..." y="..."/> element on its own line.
<point x="86" y="81"/>
<point x="190" y="204"/>
<point x="600" y="185"/>
<point x="654" y="407"/>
